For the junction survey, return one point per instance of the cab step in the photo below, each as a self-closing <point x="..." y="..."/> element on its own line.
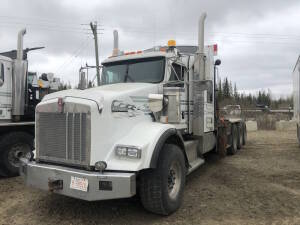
<point x="195" y="164"/>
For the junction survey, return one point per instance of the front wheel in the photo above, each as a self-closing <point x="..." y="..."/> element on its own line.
<point x="161" y="189"/>
<point x="13" y="146"/>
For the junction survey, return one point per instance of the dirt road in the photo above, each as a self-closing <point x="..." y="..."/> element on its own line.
<point x="259" y="185"/>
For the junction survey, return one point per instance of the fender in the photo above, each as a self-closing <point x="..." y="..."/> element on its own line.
<point x="162" y="140"/>
<point x="150" y="140"/>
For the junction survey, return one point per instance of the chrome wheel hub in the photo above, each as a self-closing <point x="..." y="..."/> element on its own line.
<point x="174" y="180"/>
<point x="17" y="151"/>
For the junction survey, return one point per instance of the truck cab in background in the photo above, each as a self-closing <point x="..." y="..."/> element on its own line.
<point x="20" y="92"/>
<point x="5" y="88"/>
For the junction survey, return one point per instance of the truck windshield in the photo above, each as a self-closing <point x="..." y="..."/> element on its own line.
<point x="146" y="70"/>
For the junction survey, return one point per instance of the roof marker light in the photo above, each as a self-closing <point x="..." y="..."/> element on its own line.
<point x="129" y="53"/>
<point x="215" y="48"/>
<point x="171" y="43"/>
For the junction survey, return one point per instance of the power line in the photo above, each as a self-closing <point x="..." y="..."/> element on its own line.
<point x="148" y="30"/>
<point x="56" y="26"/>
<point x="74" y="55"/>
<point x="42" y="21"/>
<point x="74" y="26"/>
<point x="43" y="27"/>
<point x="259" y="34"/>
<point x="132" y="29"/>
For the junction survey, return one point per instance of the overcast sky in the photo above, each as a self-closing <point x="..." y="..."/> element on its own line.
<point x="259" y="40"/>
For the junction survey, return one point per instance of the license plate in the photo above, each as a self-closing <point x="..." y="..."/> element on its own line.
<point x="80" y="184"/>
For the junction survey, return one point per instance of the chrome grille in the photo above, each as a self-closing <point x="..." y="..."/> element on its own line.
<point x="62" y="137"/>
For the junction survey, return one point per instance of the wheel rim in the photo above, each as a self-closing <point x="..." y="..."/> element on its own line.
<point x="174" y="180"/>
<point x="17" y="151"/>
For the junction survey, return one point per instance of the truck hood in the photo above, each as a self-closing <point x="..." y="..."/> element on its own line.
<point x="108" y="92"/>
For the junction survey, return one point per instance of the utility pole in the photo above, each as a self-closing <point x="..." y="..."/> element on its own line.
<point x="94" y="30"/>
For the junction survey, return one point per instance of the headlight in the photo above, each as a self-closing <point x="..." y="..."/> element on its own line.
<point x="128" y="151"/>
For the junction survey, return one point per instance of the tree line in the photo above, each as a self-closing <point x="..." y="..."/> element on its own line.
<point x="228" y="94"/>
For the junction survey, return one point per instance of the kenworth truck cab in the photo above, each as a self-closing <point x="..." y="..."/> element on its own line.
<point x="20" y="92"/>
<point x="141" y="132"/>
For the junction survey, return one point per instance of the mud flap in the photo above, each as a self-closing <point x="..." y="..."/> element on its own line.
<point x="222" y="139"/>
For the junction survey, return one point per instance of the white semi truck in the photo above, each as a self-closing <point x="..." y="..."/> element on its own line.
<point x="141" y="132"/>
<point x="20" y="92"/>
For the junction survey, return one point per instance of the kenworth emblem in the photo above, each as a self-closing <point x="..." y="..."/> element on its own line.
<point x="60" y="104"/>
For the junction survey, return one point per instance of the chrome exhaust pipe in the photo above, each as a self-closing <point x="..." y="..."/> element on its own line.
<point x="201" y="33"/>
<point x="116" y="43"/>
<point x="201" y="46"/>
<point x="20" y="44"/>
<point x="19" y="77"/>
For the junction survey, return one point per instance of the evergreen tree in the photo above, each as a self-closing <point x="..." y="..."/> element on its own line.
<point x="220" y="91"/>
<point x="228" y="95"/>
<point x="230" y="90"/>
<point x="235" y="94"/>
<point x="226" y="92"/>
<point x="259" y="98"/>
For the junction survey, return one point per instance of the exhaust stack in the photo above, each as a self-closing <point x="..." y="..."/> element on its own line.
<point x="116" y="43"/>
<point x="201" y="33"/>
<point x="200" y="52"/>
<point x="198" y="86"/>
<point x="20" y="44"/>
<point x="19" y="79"/>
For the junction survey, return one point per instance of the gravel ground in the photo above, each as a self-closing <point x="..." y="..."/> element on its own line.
<point x="259" y="185"/>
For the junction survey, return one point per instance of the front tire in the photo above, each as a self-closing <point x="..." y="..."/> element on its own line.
<point x="13" y="146"/>
<point x="161" y="189"/>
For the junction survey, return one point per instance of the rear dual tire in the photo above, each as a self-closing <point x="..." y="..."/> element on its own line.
<point x="241" y="135"/>
<point x="234" y="140"/>
<point x="161" y="189"/>
<point x="238" y="137"/>
<point x="244" y="134"/>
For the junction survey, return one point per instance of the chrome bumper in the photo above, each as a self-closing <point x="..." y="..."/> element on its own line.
<point x="101" y="186"/>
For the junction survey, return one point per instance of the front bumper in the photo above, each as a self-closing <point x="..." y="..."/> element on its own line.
<point x="122" y="185"/>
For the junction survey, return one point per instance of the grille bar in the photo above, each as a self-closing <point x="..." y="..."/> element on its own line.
<point x="62" y="137"/>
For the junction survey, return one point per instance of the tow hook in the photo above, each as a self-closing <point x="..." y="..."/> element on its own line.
<point x="55" y="185"/>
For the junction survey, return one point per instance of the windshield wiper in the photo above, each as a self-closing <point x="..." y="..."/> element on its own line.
<point x="127" y="75"/>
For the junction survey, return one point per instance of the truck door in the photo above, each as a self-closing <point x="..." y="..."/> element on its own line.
<point x="5" y="90"/>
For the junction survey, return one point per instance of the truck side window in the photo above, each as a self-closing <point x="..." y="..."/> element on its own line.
<point x="1" y="74"/>
<point x="177" y="72"/>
